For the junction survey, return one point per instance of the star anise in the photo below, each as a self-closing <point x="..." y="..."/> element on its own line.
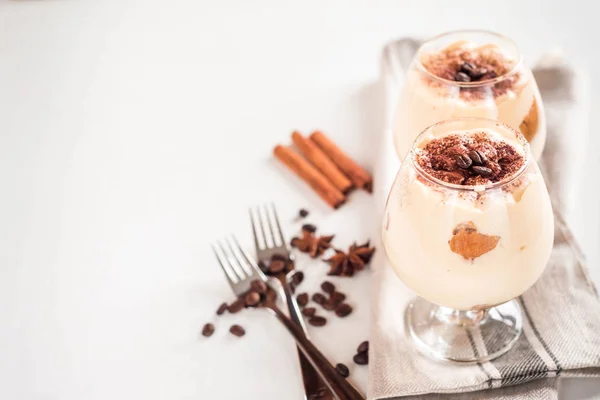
<point x="310" y="243"/>
<point x="347" y="263"/>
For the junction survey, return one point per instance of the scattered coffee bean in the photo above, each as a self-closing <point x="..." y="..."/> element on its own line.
<point x="483" y="171"/>
<point x="463" y="161"/>
<point x="342" y="370"/>
<point x="361" y="358"/>
<point x="289" y="265"/>
<point x="462" y="77"/>
<point x="317" y="320"/>
<point x="237" y="330"/>
<point x="363" y="347"/>
<point x="276" y="266"/>
<point x="259" y="286"/>
<point x="337" y="297"/>
<point x="278" y="257"/>
<point x="329" y="305"/>
<point x="222" y="308"/>
<point x="208" y="330"/>
<point x="309" y="228"/>
<point x="478" y="157"/>
<point x="319" y="298"/>
<point x="252" y="298"/>
<point x="236" y="306"/>
<point x="343" y="310"/>
<point x="298" y="277"/>
<point x="309" y="311"/>
<point x="328" y="287"/>
<point x="303" y="213"/>
<point x="302" y="299"/>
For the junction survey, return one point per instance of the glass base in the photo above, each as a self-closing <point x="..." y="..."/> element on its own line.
<point x="463" y="336"/>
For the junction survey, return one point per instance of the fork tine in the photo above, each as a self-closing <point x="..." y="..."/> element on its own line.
<point x="256" y="243"/>
<point x="225" y="270"/>
<point x="268" y="217"/>
<point x="281" y="238"/>
<point x="239" y="261"/>
<point x="227" y="256"/>
<point x="254" y="266"/>
<point x="262" y="227"/>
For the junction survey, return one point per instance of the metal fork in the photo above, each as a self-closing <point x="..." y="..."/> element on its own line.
<point x="241" y="270"/>
<point x="313" y="386"/>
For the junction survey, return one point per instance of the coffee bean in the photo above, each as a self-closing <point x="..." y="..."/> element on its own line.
<point x="319" y="298"/>
<point x="222" y="308"/>
<point x="463" y="161"/>
<point x="276" y="266"/>
<point x="490" y="75"/>
<point x="343" y="310"/>
<point x="483" y="171"/>
<point x="278" y="257"/>
<point x="467" y="68"/>
<point x="329" y="305"/>
<point x="237" y="330"/>
<point x="302" y="299"/>
<point x="478" y="74"/>
<point x="309" y="311"/>
<point x="309" y="228"/>
<point x="363" y="347"/>
<point x="208" y="330"/>
<point x="289" y="265"/>
<point x="478" y="157"/>
<point x="236" y="306"/>
<point x="298" y="277"/>
<point x="342" y="370"/>
<point x="328" y="287"/>
<point x="252" y="298"/>
<point x="259" y="286"/>
<point x="462" y="77"/>
<point x="337" y="297"/>
<point x="263" y="266"/>
<point x="317" y="321"/>
<point x="303" y="213"/>
<point x="361" y="358"/>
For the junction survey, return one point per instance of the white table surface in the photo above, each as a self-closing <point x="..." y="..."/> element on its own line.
<point x="133" y="133"/>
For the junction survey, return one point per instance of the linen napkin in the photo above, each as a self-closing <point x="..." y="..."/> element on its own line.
<point x="561" y="311"/>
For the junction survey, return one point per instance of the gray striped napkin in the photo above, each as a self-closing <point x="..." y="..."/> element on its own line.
<point x="561" y="311"/>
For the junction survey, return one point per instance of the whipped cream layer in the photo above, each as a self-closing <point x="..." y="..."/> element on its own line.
<point x="466" y="249"/>
<point x="506" y="92"/>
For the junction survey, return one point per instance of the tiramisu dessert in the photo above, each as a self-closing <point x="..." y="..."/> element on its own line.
<point x="468" y="222"/>
<point x="469" y="74"/>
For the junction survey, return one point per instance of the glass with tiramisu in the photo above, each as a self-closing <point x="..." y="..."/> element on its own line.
<point x="469" y="74"/>
<point x="469" y="227"/>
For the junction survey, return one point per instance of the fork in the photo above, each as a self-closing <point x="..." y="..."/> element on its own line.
<point x="313" y="386"/>
<point x="240" y="270"/>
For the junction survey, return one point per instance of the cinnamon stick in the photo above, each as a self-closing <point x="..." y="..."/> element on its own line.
<point x="359" y="177"/>
<point x="316" y="156"/>
<point x="310" y="175"/>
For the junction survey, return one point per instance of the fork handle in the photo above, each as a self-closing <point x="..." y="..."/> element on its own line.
<point x="338" y="385"/>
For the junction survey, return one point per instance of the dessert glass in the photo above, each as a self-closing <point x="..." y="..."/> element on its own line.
<point x="434" y="90"/>
<point x="467" y="251"/>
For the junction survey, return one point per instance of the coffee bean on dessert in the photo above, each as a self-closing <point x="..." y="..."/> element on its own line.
<point x="208" y="330"/>
<point x="361" y="358"/>
<point x="252" y="298"/>
<point x="309" y="228"/>
<point x="478" y="74"/>
<point x="298" y="277"/>
<point x="342" y="370"/>
<point x="329" y="305"/>
<point x="328" y="287"/>
<point x="478" y="157"/>
<point x="343" y="310"/>
<point x="483" y="171"/>
<point x="309" y="311"/>
<point x="467" y="68"/>
<point x="363" y="347"/>
<point x="463" y="161"/>
<point x="259" y="286"/>
<point x="222" y="308"/>
<point x="237" y="330"/>
<point x="462" y="77"/>
<point x="236" y="306"/>
<point x="317" y="320"/>
<point x="276" y="266"/>
<point x="319" y="298"/>
<point x="337" y="297"/>
<point x="303" y="213"/>
<point x="302" y="299"/>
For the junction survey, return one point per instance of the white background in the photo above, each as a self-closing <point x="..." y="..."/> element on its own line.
<point x="133" y="133"/>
